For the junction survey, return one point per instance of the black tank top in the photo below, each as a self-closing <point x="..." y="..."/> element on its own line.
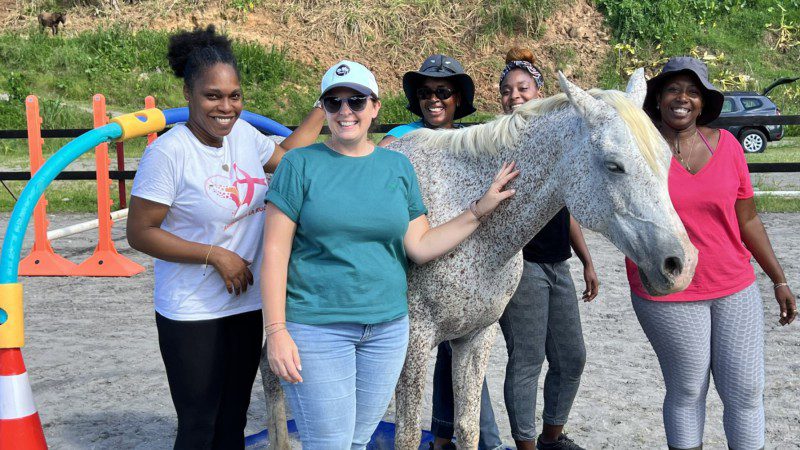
<point x="551" y="244"/>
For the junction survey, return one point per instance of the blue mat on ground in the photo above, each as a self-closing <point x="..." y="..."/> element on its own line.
<point x="382" y="439"/>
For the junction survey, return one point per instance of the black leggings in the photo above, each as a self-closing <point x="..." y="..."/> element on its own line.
<point x="211" y="366"/>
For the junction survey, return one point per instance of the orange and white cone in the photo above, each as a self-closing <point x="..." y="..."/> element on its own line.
<point x="20" y="427"/>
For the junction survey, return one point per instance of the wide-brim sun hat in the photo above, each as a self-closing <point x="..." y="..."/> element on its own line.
<point x="712" y="97"/>
<point x="440" y="66"/>
<point x="349" y="74"/>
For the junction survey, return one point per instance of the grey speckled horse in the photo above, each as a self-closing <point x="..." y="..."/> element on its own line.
<point x="598" y="154"/>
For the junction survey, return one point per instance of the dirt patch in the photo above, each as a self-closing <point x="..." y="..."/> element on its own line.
<point x="390" y="37"/>
<point x="98" y="380"/>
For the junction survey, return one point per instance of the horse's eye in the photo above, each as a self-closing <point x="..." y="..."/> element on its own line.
<point x="614" y="167"/>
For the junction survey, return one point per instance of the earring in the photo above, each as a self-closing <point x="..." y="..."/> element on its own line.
<point x="658" y="106"/>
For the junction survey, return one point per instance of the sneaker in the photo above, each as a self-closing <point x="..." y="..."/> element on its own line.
<point x="563" y="443"/>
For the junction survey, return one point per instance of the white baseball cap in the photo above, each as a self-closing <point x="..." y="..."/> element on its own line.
<point x="349" y="74"/>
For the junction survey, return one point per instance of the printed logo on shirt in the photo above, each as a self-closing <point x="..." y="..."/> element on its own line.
<point x="234" y="192"/>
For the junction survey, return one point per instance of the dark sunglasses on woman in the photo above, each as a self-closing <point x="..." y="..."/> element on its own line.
<point x="356" y="103"/>
<point x="442" y="93"/>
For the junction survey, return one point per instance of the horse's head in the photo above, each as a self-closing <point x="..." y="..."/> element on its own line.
<point x="616" y="184"/>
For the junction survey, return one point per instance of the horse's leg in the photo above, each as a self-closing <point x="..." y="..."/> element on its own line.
<point x="470" y="357"/>
<point x="410" y="388"/>
<point x="276" y="409"/>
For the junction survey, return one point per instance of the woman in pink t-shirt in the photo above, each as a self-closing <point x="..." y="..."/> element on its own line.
<point x="716" y="325"/>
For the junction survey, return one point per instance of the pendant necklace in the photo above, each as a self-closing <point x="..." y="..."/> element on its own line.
<point x="676" y="150"/>
<point x="222" y="158"/>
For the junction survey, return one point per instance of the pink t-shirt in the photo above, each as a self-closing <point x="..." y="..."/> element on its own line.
<point x="705" y="203"/>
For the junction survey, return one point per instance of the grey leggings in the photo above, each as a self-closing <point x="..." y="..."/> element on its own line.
<point x="542" y="319"/>
<point x="724" y="337"/>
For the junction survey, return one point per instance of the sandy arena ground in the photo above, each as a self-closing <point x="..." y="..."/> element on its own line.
<point x="98" y="379"/>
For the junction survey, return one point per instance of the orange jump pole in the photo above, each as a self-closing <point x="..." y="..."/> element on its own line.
<point x="42" y="261"/>
<point x="105" y="262"/>
<point x="149" y="103"/>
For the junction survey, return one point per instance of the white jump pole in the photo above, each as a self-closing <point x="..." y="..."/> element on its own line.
<point x="84" y="226"/>
<point x="778" y="193"/>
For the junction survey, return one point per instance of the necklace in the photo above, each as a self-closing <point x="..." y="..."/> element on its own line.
<point x="221" y="158"/>
<point x="676" y="150"/>
<point x="223" y="151"/>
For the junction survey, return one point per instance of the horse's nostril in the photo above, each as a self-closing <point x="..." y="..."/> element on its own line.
<point x="673" y="266"/>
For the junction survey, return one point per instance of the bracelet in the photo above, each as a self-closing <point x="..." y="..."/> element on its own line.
<point x="205" y="264"/>
<point x="778" y="285"/>
<point x="270" y="333"/>
<point x="273" y="326"/>
<point x="473" y="208"/>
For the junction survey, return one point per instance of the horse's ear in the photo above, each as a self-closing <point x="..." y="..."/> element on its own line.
<point x="586" y="105"/>
<point x="637" y="88"/>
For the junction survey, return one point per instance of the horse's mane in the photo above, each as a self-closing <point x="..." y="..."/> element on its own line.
<point x="504" y="130"/>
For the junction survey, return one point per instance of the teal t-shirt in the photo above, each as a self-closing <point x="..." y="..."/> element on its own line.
<point x="401" y="130"/>
<point x="348" y="263"/>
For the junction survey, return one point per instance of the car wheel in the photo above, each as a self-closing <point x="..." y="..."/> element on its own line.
<point x="753" y="141"/>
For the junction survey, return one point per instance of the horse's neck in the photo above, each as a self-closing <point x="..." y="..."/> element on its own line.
<point x="540" y="154"/>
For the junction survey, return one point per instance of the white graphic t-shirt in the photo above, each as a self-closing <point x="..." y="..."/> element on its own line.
<point x="216" y="196"/>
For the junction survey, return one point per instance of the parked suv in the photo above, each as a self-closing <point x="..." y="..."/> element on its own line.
<point x="742" y="104"/>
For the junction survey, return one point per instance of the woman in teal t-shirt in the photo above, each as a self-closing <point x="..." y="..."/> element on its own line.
<point x="342" y="219"/>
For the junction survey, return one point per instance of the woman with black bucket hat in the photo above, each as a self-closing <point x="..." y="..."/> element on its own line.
<point x="441" y="93"/>
<point x="715" y="326"/>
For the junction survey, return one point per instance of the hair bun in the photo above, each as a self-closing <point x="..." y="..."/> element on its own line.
<point x="182" y="44"/>
<point x="520" y="54"/>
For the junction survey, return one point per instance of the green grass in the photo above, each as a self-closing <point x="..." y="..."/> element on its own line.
<point x="127" y="66"/>
<point x="769" y="203"/>
<point x="784" y="151"/>
<point x="63" y="196"/>
<point x="738" y="36"/>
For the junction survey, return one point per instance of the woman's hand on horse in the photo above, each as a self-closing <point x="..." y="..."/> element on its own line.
<point x="492" y="198"/>
<point x="233" y="269"/>
<point x="788" y="304"/>
<point x="283" y="357"/>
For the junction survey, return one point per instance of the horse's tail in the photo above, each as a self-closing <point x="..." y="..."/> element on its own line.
<point x="276" y="409"/>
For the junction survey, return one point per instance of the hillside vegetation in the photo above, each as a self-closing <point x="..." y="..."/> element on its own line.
<point x="747" y="44"/>
<point x="117" y="48"/>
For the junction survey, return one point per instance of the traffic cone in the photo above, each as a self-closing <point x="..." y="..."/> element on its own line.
<point x="20" y="427"/>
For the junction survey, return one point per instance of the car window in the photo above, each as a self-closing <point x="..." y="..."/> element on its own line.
<point x="751" y="103"/>
<point x="727" y="105"/>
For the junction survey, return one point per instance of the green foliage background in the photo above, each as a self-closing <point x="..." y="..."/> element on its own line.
<point x="740" y="40"/>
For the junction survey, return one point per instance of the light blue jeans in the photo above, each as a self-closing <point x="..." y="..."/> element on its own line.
<point x="349" y="375"/>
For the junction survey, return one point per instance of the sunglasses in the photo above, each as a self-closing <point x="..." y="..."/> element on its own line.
<point x="442" y="93"/>
<point x="356" y="103"/>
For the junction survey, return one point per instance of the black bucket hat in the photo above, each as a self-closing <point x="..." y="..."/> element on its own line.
<point x="440" y="66"/>
<point x="712" y="97"/>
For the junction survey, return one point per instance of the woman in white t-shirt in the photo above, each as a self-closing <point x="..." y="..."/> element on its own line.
<point x="197" y="207"/>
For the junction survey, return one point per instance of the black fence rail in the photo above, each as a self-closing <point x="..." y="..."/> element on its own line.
<point x="129" y="174"/>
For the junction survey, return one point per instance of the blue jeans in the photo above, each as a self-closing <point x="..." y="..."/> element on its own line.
<point x="444" y="409"/>
<point x="349" y="375"/>
<point x="542" y="320"/>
